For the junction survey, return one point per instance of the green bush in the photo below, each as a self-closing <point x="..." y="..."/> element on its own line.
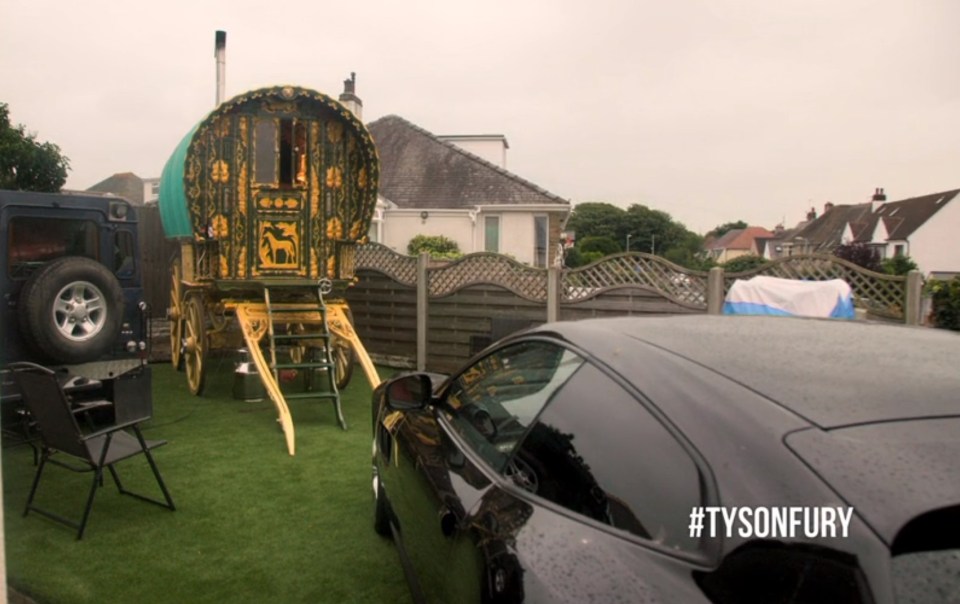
<point x="861" y="254"/>
<point x="590" y="257"/>
<point x="945" y="299"/>
<point x="899" y="265"/>
<point x="603" y="244"/>
<point x="743" y="263"/>
<point x="572" y="258"/>
<point x="437" y="246"/>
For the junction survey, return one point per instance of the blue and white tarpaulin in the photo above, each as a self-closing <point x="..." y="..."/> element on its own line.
<point x="788" y="297"/>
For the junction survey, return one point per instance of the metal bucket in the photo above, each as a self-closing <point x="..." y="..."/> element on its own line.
<point x="246" y="380"/>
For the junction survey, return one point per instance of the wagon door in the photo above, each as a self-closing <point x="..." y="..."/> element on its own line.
<point x="280" y="210"/>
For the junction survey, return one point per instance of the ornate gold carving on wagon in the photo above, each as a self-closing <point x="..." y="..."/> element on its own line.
<point x="334" y="177"/>
<point x="278" y="245"/>
<point x="279" y="203"/>
<point x="220" y="171"/>
<point x="219" y="227"/>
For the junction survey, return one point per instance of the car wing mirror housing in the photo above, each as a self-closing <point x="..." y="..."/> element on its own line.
<point x="408" y="392"/>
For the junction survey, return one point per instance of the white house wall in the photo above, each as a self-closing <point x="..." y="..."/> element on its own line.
<point x="517" y="235"/>
<point x="934" y="245"/>
<point x="400" y="226"/>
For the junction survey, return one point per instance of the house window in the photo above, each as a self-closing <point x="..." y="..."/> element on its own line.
<point x="540" y="241"/>
<point x="491" y="234"/>
<point x="898" y="250"/>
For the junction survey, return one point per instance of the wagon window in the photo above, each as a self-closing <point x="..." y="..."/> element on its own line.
<point x="265" y="150"/>
<point x="293" y="153"/>
<point x="33" y="240"/>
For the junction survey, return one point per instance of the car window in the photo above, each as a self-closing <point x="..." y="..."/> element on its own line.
<point x="123" y="254"/>
<point x="597" y="451"/>
<point x="494" y="401"/>
<point x="32" y="240"/>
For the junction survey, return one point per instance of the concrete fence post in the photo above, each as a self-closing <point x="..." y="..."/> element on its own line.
<point x="423" y="293"/>
<point x="715" y="291"/>
<point x="912" y="298"/>
<point x="553" y="294"/>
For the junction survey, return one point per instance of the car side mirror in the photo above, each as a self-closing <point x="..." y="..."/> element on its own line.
<point x="409" y="392"/>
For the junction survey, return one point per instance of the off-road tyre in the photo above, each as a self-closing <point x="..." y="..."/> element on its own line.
<point x="71" y="310"/>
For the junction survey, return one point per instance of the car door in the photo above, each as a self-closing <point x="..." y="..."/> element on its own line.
<point x="446" y="455"/>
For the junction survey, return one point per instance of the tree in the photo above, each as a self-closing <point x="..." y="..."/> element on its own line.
<point x="27" y="164"/>
<point x="437" y="246"/>
<point x="605" y="245"/>
<point x="598" y="219"/>
<point x="649" y="230"/>
<point x="723" y="229"/>
<point x="860" y="254"/>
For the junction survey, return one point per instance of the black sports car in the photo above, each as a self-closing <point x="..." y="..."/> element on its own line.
<point x="575" y="462"/>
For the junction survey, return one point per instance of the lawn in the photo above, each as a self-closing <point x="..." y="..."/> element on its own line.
<point x="252" y="524"/>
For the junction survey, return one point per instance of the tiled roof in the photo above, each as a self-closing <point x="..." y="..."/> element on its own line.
<point x="418" y="170"/>
<point x="739" y="239"/>
<point x="900" y="218"/>
<point x="826" y="232"/>
<point x="904" y="217"/>
<point x="125" y="184"/>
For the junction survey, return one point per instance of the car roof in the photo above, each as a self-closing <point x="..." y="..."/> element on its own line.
<point x="830" y="372"/>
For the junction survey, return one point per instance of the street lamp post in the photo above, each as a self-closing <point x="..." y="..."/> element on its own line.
<point x="628" y="241"/>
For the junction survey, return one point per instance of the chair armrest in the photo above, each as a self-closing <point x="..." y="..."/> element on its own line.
<point x="81" y="406"/>
<point x="111" y="429"/>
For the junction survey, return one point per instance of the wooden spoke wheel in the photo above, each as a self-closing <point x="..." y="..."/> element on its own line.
<point x="343" y="355"/>
<point x="195" y="344"/>
<point x="343" y="361"/>
<point x="298" y="351"/>
<point x="175" y="316"/>
<point x="218" y="319"/>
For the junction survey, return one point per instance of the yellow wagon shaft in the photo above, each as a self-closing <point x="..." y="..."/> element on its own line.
<point x="269" y="196"/>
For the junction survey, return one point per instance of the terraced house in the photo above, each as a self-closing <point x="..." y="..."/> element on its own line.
<point x="923" y="228"/>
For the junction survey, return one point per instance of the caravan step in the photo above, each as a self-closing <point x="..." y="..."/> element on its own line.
<point x="314" y="365"/>
<point x="305" y="395"/>
<point x="287" y="337"/>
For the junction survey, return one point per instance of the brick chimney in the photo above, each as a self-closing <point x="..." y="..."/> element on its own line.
<point x="349" y="99"/>
<point x="877" y="200"/>
<point x="827" y="207"/>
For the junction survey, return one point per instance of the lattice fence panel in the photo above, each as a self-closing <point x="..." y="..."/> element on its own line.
<point x="379" y="257"/>
<point x="685" y="287"/>
<point x="495" y="269"/>
<point x="878" y="293"/>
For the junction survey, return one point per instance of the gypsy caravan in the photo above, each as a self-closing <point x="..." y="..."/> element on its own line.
<point x="268" y="196"/>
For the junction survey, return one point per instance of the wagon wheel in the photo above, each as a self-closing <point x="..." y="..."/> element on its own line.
<point x="344" y="357"/>
<point x="341" y="351"/>
<point x="195" y="344"/>
<point x="343" y="361"/>
<point x="175" y="316"/>
<point x="218" y="319"/>
<point x="298" y="350"/>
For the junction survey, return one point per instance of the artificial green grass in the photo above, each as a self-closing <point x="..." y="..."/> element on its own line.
<point x="252" y="524"/>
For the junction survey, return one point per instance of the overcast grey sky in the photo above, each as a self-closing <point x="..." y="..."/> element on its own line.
<point x="711" y="110"/>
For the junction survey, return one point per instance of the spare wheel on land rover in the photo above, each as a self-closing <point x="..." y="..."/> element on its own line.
<point x="69" y="310"/>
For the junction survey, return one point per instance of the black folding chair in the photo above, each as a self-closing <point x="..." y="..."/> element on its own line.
<point x="60" y="433"/>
